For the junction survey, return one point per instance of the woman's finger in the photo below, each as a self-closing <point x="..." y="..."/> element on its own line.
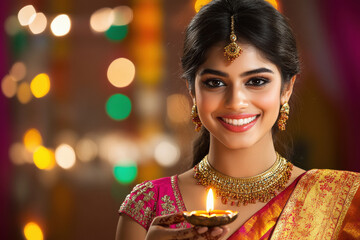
<point x="168" y="220"/>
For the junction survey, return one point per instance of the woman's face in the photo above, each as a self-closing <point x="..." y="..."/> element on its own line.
<point x="239" y="102"/>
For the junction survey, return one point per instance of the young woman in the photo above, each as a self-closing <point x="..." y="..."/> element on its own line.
<point x="240" y="62"/>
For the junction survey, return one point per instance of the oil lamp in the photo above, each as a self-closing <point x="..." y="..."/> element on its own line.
<point x="210" y="217"/>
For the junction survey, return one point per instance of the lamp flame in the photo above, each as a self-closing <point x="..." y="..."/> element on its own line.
<point x="210" y="201"/>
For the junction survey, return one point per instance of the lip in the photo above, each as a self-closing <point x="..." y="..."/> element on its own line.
<point x="241" y="128"/>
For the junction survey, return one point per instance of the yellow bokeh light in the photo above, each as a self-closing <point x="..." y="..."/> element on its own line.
<point x="101" y="19"/>
<point x="121" y="72"/>
<point x="32" y="231"/>
<point x="178" y="108"/>
<point x="32" y="139"/>
<point x="123" y="15"/>
<point x="39" y="23"/>
<point x="65" y="156"/>
<point x="18" y="71"/>
<point x="12" y="25"/>
<point x="26" y="15"/>
<point x="9" y="86"/>
<point x="200" y="3"/>
<point x="24" y="93"/>
<point x="40" y="85"/>
<point x="61" y="25"/>
<point x="44" y="158"/>
<point x="274" y="3"/>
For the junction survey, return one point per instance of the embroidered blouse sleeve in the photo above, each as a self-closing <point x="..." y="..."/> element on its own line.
<point x="140" y="204"/>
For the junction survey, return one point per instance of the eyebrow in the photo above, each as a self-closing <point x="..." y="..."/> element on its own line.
<point x="223" y="74"/>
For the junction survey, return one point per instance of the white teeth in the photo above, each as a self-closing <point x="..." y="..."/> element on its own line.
<point x="239" y="122"/>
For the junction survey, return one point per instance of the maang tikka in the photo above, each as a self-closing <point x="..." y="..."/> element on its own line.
<point x="233" y="50"/>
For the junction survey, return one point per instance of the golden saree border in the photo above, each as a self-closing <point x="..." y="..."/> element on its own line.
<point x="351" y="225"/>
<point x="318" y="205"/>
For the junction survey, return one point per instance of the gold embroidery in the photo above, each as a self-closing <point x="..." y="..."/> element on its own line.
<point x="356" y="183"/>
<point x="180" y="204"/>
<point x="133" y="206"/>
<point x="317" y="206"/>
<point x="167" y="206"/>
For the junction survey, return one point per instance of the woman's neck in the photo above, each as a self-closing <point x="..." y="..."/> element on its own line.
<point x="243" y="162"/>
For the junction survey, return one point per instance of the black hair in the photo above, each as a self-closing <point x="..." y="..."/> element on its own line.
<point x="255" y="22"/>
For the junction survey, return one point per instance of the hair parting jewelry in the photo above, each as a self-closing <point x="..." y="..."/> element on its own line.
<point x="233" y="50"/>
<point x="237" y="191"/>
<point x="284" y="116"/>
<point x="195" y="118"/>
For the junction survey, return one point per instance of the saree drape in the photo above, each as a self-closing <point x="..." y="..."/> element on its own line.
<point x="320" y="204"/>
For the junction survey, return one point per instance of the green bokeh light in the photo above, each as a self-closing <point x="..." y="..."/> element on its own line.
<point x="118" y="107"/>
<point x="116" y="33"/>
<point x="125" y="173"/>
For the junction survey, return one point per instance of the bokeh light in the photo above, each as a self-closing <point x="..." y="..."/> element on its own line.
<point x="167" y="153"/>
<point x="200" y="3"/>
<point x="121" y="72"/>
<point x="18" y="71"/>
<point x="44" y="158"/>
<point x="86" y="150"/>
<point x="9" y="86"/>
<point x="26" y="15"/>
<point x="18" y="154"/>
<point x="149" y="102"/>
<point x="39" y="23"/>
<point x="65" y="156"/>
<point x="178" y="108"/>
<point x="12" y="25"/>
<point x="40" y="85"/>
<point x="101" y="19"/>
<point x="61" y="25"/>
<point x="24" y="93"/>
<point x="125" y="172"/>
<point x="123" y="15"/>
<point x="116" y="33"/>
<point x="32" y="231"/>
<point x="32" y="139"/>
<point x="118" y="107"/>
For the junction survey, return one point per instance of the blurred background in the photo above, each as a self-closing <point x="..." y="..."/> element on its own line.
<point x="92" y="103"/>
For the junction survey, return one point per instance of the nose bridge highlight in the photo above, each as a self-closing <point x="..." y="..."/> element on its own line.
<point x="236" y="98"/>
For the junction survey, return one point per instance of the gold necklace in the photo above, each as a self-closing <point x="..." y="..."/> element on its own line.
<point x="239" y="191"/>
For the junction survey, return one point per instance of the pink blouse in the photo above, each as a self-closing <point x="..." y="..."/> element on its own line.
<point x="154" y="198"/>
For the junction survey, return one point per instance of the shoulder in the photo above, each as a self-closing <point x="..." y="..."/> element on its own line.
<point x="330" y="180"/>
<point x="331" y="173"/>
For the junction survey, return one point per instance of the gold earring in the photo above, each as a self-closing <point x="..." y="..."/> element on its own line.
<point x="195" y="118"/>
<point x="284" y="116"/>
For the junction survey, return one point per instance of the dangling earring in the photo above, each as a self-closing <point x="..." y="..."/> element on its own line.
<point x="195" y="118"/>
<point x="284" y="116"/>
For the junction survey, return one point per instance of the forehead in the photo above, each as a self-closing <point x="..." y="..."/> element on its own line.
<point x="250" y="58"/>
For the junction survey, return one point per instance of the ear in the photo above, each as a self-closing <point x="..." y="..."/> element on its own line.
<point x="190" y="92"/>
<point x="288" y="89"/>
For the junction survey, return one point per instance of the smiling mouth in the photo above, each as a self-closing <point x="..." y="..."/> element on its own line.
<point x="239" y="122"/>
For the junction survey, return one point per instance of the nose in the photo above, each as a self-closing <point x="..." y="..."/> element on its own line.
<point x="236" y="99"/>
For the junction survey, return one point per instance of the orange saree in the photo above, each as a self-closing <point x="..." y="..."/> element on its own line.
<point x="320" y="204"/>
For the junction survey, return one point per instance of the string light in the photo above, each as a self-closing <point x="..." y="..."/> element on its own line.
<point x="26" y="15"/>
<point x="121" y="72"/>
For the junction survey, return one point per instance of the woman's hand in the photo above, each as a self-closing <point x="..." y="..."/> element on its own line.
<point x="160" y="230"/>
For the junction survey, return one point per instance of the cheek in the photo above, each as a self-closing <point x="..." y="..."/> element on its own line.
<point x="269" y="101"/>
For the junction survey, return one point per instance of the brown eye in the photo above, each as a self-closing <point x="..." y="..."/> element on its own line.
<point x="257" y="82"/>
<point x="213" y="83"/>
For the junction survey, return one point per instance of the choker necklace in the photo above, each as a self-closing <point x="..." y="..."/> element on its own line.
<point x="239" y="191"/>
